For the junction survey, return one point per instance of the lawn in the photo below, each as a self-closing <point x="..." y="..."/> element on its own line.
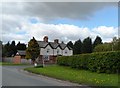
<point x="10" y="64"/>
<point x="77" y="76"/>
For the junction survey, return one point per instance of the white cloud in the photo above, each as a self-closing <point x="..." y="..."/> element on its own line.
<point x="106" y="32"/>
<point x="13" y="13"/>
<point x="63" y="32"/>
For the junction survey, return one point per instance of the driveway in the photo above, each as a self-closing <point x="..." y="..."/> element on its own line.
<point x="15" y="76"/>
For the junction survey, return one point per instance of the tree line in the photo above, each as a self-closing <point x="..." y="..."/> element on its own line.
<point x="86" y="46"/>
<point x="10" y="49"/>
<point x="79" y="47"/>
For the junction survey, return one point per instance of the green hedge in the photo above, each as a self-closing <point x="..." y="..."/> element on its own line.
<point x="101" y="62"/>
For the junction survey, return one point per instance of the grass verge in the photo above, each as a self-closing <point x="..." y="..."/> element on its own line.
<point x="77" y="76"/>
<point x="11" y="64"/>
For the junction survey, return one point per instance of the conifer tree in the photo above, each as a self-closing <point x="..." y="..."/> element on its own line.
<point x="87" y="45"/>
<point x="77" y="47"/>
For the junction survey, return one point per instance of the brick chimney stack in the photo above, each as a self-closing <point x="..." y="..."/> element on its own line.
<point x="45" y="39"/>
<point x="56" y="41"/>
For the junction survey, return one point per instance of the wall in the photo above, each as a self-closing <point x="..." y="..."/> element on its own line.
<point x="7" y="59"/>
<point x="52" y="60"/>
<point x="44" y="51"/>
<point x="55" y="51"/>
<point x="66" y="50"/>
<point x="25" y="61"/>
<point x="11" y="60"/>
<point x="17" y="60"/>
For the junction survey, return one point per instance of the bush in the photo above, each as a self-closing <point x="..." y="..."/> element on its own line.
<point x="102" y="62"/>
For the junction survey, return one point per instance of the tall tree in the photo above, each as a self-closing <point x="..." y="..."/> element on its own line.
<point x="97" y="41"/>
<point x="21" y="46"/>
<point x="87" y="45"/>
<point x="13" y="49"/>
<point x="33" y="50"/>
<point x="70" y="44"/>
<point x="77" y="47"/>
<point x="6" y="50"/>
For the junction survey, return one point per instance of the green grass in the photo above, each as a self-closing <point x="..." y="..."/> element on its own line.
<point x="11" y="64"/>
<point x="78" y="76"/>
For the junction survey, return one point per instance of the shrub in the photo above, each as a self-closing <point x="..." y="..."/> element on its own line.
<point x="101" y="62"/>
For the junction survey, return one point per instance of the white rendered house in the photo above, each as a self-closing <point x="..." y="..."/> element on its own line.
<point x="50" y="50"/>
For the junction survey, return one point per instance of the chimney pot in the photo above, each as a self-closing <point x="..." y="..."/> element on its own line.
<point x="45" y="39"/>
<point x="56" y="41"/>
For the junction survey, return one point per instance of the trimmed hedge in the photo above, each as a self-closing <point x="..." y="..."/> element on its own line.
<point x="101" y="62"/>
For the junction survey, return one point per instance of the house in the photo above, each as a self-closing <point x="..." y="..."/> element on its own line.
<point x="50" y="50"/>
<point x="21" y="53"/>
<point x="19" y="56"/>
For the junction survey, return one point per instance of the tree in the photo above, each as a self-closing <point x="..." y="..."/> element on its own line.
<point x="77" y="47"/>
<point x="87" y="45"/>
<point x="9" y="49"/>
<point x="116" y="44"/>
<point x="70" y="44"/>
<point x="103" y="47"/>
<point x="6" y="50"/>
<point x="97" y="41"/>
<point x="21" y="46"/>
<point x="13" y="49"/>
<point x="33" y="50"/>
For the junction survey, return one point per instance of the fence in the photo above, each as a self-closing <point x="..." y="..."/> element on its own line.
<point x="11" y="60"/>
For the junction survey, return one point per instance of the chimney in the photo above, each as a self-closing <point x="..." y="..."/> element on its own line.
<point x="45" y="39"/>
<point x="56" y="41"/>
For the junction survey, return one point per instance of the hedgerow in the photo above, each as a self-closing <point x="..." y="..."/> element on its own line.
<point x="101" y="62"/>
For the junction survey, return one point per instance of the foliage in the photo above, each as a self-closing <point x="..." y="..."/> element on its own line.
<point x="103" y="47"/>
<point x="104" y="62"/>
<point x="77" y="47"/>
<point x="87" y="45"/>
<point x="21" y="46"/>
<point x="97" y="41"/>
<point x="78" y="76"/>
<point x="116" y="44"/>
<point x="33" y="50"/>
<point x="6" y="50"/>
<point x="113" y="46"/>
<point x="13" y="49"/>
<point x="9" y="50"/>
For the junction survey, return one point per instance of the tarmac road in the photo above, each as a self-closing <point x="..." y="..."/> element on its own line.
<point x="14" y="76"/>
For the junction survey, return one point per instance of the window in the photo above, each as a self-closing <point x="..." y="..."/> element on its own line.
<point x="48" y="50"/>
<point x="65" y="51"/>
<point x="58" y="51"/>
<point x="45" y="57"/>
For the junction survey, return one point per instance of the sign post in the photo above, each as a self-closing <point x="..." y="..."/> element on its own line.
<point x="43" y="61"/>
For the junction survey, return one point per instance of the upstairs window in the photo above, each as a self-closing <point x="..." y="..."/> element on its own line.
<point x="65" y="51"/>
<point x="48" y="50"/>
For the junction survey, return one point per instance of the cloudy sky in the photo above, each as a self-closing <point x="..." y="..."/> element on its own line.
<point x="63" y="20"/>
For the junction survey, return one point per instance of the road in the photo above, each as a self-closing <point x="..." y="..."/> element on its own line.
<point x="14" y="76"/>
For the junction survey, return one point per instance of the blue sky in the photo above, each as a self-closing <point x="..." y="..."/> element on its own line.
<point x="107" y="17"/>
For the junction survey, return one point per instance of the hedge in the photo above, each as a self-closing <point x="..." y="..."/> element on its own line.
<point x="101" y="62"/>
